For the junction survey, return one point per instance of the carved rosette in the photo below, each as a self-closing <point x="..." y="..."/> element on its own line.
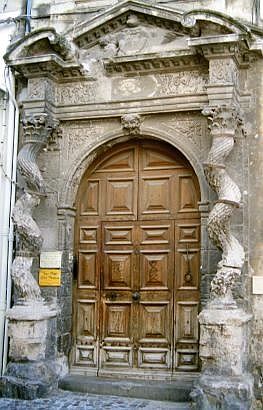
<point x="37" y="130"/>
<point x="225" y="122"/>
<point x="131" y="123"/>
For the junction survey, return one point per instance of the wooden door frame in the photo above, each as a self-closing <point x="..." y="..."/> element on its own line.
<point x="67" y="213"/>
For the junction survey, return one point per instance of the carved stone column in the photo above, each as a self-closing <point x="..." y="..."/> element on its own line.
<point x="224" y="381"/>
<point x="29" y="374"/>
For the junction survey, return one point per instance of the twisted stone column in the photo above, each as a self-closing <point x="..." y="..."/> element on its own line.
<point x="30" y="372"/>
<point x="225" y="123"/>
<point x="37" y="129"/>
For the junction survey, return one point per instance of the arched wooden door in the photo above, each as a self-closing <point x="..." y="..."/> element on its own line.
<point x="138" y="246"/>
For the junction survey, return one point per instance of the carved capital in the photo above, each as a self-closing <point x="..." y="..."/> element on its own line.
<point x="37" y="128"/>
<point x="37" y="133"/>
<point x="131" y="123"/>
<point x="224" y="119"/>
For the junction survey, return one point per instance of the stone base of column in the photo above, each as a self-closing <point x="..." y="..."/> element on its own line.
<point x="31" y="371"/>
<point x="220" y="392"/>
<point x="224" y="382"/>
<point x="28" y="381"/>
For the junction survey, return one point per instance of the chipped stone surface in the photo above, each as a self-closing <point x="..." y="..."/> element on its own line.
<point x="67" y="400"/>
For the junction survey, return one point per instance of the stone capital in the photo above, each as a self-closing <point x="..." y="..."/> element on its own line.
<point x="224" y="120"/>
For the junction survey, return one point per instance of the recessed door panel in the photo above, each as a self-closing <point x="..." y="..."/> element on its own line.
<point x="88" y="269"/>
<point x="118" y="269"/>
<point x="120" y="197"/>
<point x="156" y="195"/>
<point x="90" y="201"/>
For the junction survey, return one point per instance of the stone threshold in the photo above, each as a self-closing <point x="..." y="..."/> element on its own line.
<point x="174" y="391"/>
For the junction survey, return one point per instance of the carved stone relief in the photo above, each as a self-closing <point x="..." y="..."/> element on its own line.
<point x="192" y="129"/>
<point x="160" y="85"/>
<point x="78" y="138"/>
<point x="182" y="83"/>
<point x="78" y="93"/>
<point x="131" y="123"/>
<point x="137" y="36"/>
<point x="41" y="88"/>
<point x="223" y="71"/>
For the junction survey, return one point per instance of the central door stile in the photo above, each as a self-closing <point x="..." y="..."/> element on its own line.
<point x="100" y="307"/>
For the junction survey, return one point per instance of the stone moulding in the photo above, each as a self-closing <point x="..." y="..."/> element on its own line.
<point x="225" y="121"/>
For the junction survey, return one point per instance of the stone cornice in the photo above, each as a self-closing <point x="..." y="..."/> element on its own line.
<point x="50" y="66"/>
<point x="225" y="46"/>
<point x="152" y="62"/>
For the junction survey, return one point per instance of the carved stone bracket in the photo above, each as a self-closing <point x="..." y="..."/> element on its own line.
<point x="225" y="123"/>
<point x="131" y="123"/>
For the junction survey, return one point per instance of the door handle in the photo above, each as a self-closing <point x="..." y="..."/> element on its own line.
<point x="136" y="296"/>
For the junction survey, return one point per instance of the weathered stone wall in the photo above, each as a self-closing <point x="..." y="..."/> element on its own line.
<point x="255" y="221"/>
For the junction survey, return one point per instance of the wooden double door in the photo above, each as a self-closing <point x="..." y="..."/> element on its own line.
<point x="137" y="244"/>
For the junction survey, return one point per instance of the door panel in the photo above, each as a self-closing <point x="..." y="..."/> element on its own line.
<point x="87" y="346"/>
<point x="138" y="247"/>
<point x="120" y="197"/>
<point x="90" y="201"/>
<point x="155" y="195"/>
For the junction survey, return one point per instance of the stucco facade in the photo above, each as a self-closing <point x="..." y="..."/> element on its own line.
<point x="92" y="76"/>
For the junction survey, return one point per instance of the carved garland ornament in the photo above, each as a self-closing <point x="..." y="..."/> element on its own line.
<point x="37" y="130"/>
<point x="225" y="121"/>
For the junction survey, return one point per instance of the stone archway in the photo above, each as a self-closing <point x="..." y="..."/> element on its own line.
<point x="138" y="243"/>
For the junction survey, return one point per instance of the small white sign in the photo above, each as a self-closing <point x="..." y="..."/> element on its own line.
<point x="50" y="259"/>
<point x="257" y="285"/>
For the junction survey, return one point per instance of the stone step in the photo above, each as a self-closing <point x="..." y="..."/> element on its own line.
<point x="174" y="391"/>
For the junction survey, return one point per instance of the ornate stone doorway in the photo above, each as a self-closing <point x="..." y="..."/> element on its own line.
<point x="137" y="244"/>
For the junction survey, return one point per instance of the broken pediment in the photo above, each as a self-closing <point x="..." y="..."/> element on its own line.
<point x="129" y="32"/>
<point x="129" y="36"/>
<point x="129" y="13"/>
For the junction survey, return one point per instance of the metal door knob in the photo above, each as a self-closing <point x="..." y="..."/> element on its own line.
<point x="136" y="296"/>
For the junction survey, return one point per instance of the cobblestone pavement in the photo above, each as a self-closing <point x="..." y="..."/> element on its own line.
<point x="68" y="400"/>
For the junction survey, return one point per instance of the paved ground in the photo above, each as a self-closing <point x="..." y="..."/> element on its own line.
<point x="75" y="401"/>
